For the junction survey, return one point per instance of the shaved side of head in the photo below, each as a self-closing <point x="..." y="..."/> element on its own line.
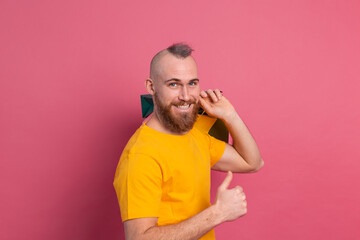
<point x="179" y="50"/>
<point x="155" y="64"/>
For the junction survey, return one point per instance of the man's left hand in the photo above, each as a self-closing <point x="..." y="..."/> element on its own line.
<point x="216" y="105"/>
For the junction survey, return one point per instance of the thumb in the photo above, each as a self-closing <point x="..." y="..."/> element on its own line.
<point x="225" y="184"/>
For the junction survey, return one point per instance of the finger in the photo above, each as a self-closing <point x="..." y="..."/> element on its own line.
<point x="239" y="189"/>
<point x="204" y="104"/>
<point x="242" y="196"/>
<point x="203" y="94"/>
<point x="212" y="95"/>
<point x="218" y="93"/>
<point x="225" y="184"/>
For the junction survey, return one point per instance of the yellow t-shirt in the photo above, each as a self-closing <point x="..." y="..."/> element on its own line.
<point x="166" y="176"/>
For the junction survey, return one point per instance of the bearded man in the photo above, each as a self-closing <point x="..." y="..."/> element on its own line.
<point x="163" y="176"/>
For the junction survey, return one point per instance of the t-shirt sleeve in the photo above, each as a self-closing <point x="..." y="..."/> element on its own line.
<point x="138" y="187"/>
<point x="217" y="148"/>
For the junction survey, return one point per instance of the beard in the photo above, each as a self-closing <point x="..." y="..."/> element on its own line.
<point x="178" y="123"/>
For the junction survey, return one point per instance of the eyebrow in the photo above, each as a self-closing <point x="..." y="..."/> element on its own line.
<point x="178" y="80"/>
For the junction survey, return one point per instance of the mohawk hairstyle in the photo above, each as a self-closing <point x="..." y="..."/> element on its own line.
<point x="181" y="50"/>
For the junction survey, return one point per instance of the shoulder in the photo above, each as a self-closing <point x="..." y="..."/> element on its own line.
<point x="138" y="152"/>
<point x="202" y="127"/>
<point x="138" y="156"/>
<point x="141" y="142"/>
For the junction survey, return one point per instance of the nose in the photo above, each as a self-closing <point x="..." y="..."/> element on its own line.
<point x="184" y="94"/>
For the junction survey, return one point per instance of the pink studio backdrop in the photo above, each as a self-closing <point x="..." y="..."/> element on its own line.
<point x="71" y="73"/>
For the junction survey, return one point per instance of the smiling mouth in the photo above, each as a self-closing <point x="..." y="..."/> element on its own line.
<point x="187" y="106"/>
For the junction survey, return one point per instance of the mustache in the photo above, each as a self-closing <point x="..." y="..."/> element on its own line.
<point x="182" y="102"/>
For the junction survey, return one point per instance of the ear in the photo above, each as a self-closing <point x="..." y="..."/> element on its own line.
<point x="149" y="84"/>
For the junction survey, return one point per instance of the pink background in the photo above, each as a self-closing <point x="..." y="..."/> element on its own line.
<point x="71" y="74"/>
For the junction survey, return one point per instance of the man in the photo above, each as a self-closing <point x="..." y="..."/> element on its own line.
<point x="163" y="177"/>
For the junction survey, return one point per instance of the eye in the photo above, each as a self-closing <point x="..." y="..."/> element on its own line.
<point x="193" y="83"/>
<point x="173" y="84"/>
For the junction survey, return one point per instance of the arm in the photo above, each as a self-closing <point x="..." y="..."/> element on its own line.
<point x="230" y="204"/>
<point x="244" y="155"/>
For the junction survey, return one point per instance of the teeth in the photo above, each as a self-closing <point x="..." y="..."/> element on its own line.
<point x="183" y="106"/>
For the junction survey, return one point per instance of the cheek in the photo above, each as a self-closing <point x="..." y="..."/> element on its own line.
<point x="170" y="99"/>
<point x="166" y="95"/>
<point x="196" y="93"/>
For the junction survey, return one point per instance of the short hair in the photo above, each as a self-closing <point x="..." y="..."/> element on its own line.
<point x="179" y="50"/>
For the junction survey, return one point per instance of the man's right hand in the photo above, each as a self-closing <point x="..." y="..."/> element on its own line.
<point x="230" y="203"/>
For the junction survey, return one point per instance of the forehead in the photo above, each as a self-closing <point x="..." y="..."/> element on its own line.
<point x="180" y="68"/>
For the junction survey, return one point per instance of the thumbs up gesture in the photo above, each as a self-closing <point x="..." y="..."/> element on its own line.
<point x="230" y="203"/>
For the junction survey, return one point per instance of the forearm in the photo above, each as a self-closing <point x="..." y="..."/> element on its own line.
<point x="189" y="229"/>
<point x="243" y="142"/>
